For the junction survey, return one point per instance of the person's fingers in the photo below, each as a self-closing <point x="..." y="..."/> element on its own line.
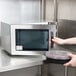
<point x="71" y="62"/>
<point x="70" y="55"/>
<point x="54" y="40"/>
<point x="67" y="64"/>
<point x="55" y="37"/>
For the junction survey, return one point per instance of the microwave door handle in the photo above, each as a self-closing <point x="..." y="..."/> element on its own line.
<point x="52" y="43"/>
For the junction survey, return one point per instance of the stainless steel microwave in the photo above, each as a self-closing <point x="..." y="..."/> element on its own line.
<point x="27" y="39"/>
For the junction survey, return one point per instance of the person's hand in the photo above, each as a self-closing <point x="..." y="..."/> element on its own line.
<point x="58" y="40"/>
<point x="72" y="62"/>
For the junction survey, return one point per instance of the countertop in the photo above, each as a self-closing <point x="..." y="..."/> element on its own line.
<point x="8" y="62"/>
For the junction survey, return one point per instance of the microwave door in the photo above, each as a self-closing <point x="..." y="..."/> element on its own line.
<point x="32" y="39"/>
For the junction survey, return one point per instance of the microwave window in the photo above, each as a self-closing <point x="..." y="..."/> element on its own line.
<point x="32" y="39"/>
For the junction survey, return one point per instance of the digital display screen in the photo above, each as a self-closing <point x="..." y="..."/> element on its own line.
<point x="32" y="39"/>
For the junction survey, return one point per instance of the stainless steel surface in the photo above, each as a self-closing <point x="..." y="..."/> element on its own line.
<point x="8" y="62"/>
<point x="43" y="11"/>
<point x="66" y="71"/>
<point x="45" y="70"/>
<point x="67" y="29"/>
<point x="55" y="10"/>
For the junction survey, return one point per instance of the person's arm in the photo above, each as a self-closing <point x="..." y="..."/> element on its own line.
<point x="60" y="41"/>
<point x="64" y="41"/>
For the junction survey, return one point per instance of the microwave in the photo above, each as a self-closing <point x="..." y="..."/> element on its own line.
<point x="27" y="39"/>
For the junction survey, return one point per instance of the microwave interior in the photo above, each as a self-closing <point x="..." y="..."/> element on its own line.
<point x="32" y="39"/>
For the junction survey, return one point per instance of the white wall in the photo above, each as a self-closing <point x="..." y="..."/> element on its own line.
<point x="19" y="11"/>
<point x="9" y="11"/>
<point x="49" y="10"/>
<point x="30" y="11"/>
<point x="67" y="9"/>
